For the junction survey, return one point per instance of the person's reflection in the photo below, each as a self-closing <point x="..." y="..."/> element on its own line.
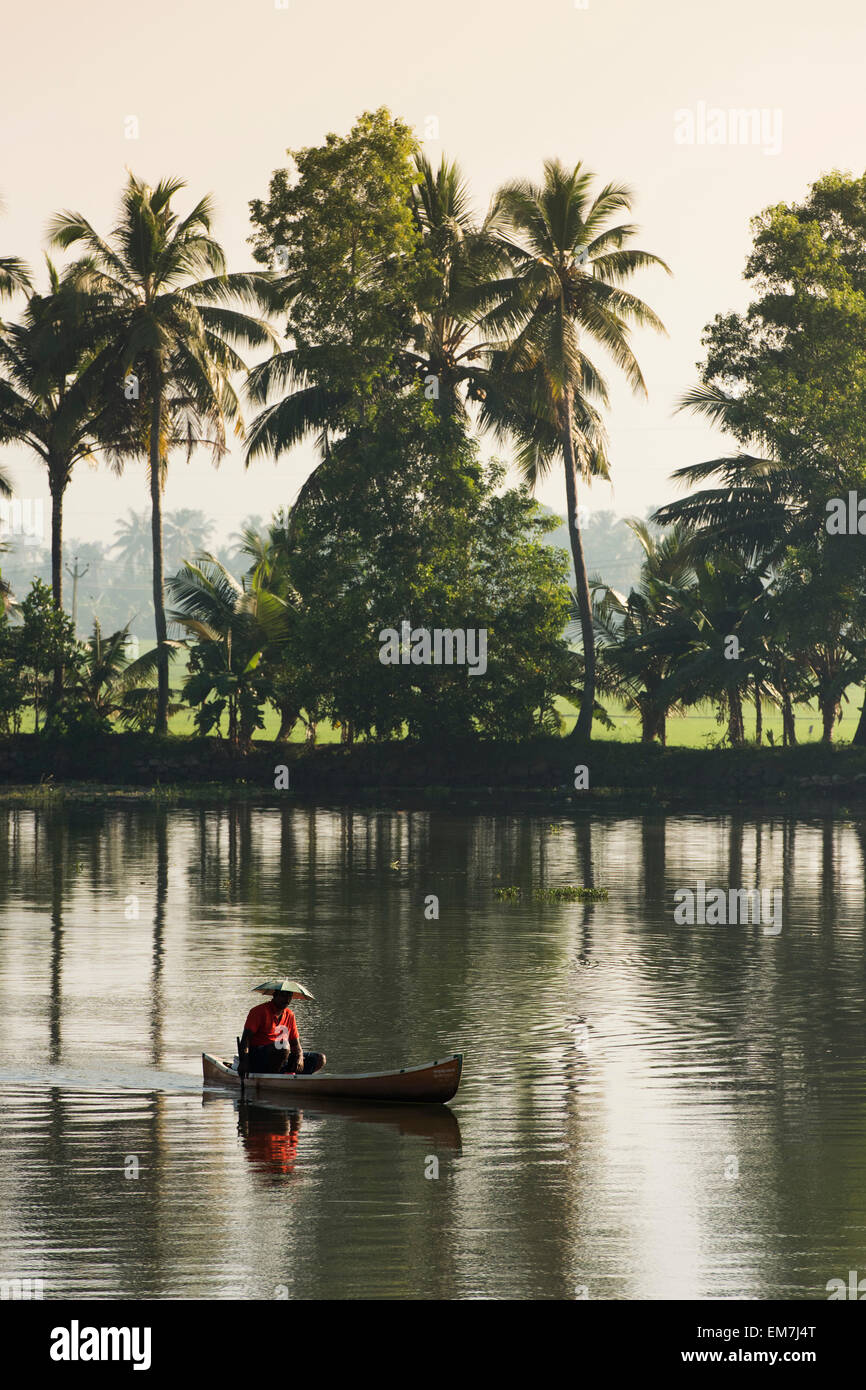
<point x="270" y="1137"/>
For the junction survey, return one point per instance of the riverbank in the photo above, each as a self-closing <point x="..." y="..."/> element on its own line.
<point x="542" y="772"/>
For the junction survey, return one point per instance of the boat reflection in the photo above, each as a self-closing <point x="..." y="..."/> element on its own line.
<point x="270" y="1130"/>
<point x="270" y="1139"/>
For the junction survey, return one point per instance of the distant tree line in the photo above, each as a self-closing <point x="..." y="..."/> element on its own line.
<point x="115" y="585"/>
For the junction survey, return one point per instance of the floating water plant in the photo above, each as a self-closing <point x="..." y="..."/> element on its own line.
<point x="568" y="893"/>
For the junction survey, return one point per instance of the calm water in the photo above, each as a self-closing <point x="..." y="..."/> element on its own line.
<point x="648" y="1110"/>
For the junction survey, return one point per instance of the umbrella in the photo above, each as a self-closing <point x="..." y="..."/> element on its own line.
<point x="293" y="988"/>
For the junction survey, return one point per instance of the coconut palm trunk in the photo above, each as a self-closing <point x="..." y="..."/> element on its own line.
<point x="789" y="732"/>
<point x="829" y="715"/>
<point x="583" y="727"/>
<point x="57" y="486"/>
<point x="57" y="490"/>
<point x="161" y="725"/>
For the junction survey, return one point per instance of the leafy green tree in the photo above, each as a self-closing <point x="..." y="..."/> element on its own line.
<point x="787" y="380"/>
<point x="173" y="332"/>
<point x="488" y="313"/>
<point x="46" y="640"/>
<point x="342" y="233"/>
<point x="520" y="586"/>
<point x="405" y="527"/>
<point x="13" y="692"/>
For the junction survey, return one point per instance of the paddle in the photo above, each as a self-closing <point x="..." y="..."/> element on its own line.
<point x="241" y="1071"/>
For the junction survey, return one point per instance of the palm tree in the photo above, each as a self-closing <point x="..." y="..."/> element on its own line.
<point x="187" y="532"/>
<point x="726" y="601"/>
<point x="108" y="680"/>
<point x="758" y="505"/>
<point x="131" y="540"/>
<point x="569" y="261"/>
<point x="766" y="512"/>
<point x="468" y="265"/>
<point x="234" y="624"/>
<point x="295" y="690"/>
<point x="14" y="275"/>
<point x="14" y="278"/>
<point x="103" y="661"/>
<point x="174" y="333"/>
<point x="51" y="398"/>
<point x="641" y="636"/>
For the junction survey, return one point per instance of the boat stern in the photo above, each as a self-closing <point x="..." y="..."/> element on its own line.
<point x="216" y="1071"/>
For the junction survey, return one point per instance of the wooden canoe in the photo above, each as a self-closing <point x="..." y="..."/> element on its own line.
<point x="435" y="1082"/>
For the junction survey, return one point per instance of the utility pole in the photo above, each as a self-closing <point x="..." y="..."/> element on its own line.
<point x="75" y="574"/>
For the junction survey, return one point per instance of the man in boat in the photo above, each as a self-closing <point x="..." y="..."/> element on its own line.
<point x="270" y="1041"/>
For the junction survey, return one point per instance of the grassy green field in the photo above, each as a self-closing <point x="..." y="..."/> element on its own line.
<point x="698" y="728"/>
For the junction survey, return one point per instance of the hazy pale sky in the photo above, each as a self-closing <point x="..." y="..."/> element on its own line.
<point x="221" y="89"/>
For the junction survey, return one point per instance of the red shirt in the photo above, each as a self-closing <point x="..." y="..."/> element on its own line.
<point x="265" y="1025"/>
